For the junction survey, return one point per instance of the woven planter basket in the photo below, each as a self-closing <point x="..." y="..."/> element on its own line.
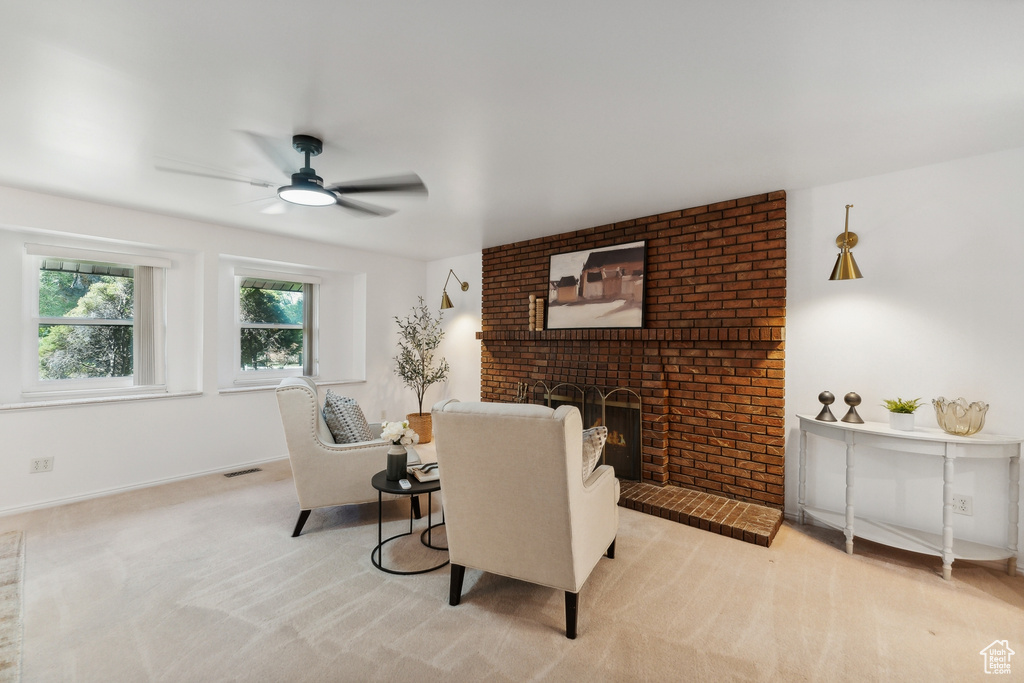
<point x="422" y="424"/>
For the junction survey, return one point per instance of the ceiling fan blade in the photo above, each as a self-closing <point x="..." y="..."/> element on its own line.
<point x="277" y="208"/>
<point x="279" y="153"/>
<point x="402" y="183"/>
<point x="271" y="205"/>
<point x="248" y="181"/>
<point x="362" y="207"/>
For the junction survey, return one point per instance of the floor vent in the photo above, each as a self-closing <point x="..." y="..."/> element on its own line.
<point x="241" y="472"/>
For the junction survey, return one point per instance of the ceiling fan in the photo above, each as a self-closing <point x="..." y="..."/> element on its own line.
<point x="307" y="188"/>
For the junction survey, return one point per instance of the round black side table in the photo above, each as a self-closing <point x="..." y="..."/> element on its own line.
<point x="381" y="483"/>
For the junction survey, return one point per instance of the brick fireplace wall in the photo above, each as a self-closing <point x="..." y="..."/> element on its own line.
<point x="709" y="361"/>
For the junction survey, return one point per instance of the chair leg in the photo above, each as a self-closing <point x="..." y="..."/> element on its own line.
<point x="571" y="610"/>
<point x="303" y="516"/>
<point x="611" y="550"/>
<point x="416" y="507"/>
<point x="455" y="592"/>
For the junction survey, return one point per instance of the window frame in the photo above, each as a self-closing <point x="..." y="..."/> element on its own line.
<point x="310" y="327"/>
<point x="34" y="387"/>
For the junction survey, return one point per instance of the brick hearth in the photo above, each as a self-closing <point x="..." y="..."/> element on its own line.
<point x="745" y="521"/>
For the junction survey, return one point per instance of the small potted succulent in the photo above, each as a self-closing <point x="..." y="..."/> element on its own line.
<point x="901" y="412"/>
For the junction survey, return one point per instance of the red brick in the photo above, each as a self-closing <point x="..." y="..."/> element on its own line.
<point x="711" y="354"/>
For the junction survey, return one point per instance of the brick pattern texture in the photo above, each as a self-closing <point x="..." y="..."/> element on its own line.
<point x="709" y="362"/>
<point x="734" y="518"/>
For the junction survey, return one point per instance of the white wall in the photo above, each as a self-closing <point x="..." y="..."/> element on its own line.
<point x="107" y="447"/>
<point x="939" y="312"/>
<point x="460" y="346"/>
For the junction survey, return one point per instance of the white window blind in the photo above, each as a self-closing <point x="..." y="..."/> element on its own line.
<point x="149" y="348"/>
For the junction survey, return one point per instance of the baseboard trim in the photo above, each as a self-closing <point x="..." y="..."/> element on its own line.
<point x="5" y="512"/>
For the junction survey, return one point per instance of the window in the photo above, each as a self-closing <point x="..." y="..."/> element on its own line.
<point x="96" y="322"/>
<point x="86" y="320"/>
<point x="276" y="328"/>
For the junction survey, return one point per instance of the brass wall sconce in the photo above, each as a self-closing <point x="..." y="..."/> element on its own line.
<point x="846" y="268"/>
<point x="445" y="301"/>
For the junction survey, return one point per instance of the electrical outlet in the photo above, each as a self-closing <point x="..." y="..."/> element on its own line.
<point x="41" y="465"/>
<point x="963" y="505"/>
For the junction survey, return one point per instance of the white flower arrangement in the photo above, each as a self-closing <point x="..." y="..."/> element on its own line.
<point x="398" y="433"/>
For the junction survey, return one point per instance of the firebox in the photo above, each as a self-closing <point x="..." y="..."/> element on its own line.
<point x="618" y="409"/>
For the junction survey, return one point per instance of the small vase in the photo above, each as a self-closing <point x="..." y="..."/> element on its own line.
<point x="398" y="460"/>
<point x="902" y="421"/>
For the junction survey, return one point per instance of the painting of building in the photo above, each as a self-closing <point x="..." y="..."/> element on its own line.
<point x="614" y="274"/>
<point x="597" y="287"/>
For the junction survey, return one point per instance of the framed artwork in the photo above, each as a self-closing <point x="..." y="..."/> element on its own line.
<point x="597" y="288"/>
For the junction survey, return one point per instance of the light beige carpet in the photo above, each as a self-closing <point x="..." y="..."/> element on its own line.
<point x="11" y="568"/>
<point x="201" y="581"/>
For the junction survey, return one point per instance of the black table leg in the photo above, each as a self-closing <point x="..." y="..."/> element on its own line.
<point x="380" y="483"/>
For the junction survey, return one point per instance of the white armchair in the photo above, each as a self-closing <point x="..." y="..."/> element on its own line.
<point x="515" y="500"/>
<point x="327" y="474"/>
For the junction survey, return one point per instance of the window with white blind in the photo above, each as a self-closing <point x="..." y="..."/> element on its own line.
<point x="96" y="320"/>
<point x="276" y="323"/>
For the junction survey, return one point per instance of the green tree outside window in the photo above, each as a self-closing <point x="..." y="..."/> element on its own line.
<point x="266" y="348"/>
<point x="76" y="351"/>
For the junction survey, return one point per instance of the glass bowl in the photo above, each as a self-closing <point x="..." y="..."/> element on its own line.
<point x="960" y="417"/>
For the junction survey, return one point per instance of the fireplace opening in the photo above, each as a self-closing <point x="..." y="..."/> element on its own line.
<point x="618" y="409"/>
<point x="621" y="415"/>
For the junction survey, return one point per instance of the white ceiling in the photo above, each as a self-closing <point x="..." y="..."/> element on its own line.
<point x="524" y="118"/>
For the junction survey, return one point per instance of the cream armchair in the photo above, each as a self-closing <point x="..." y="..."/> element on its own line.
<point x="515" y="502"/>
<point x="327" y="474"/>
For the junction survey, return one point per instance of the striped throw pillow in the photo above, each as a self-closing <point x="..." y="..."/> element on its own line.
<point x="345" y="419"/>
<point x="593" y="445"/>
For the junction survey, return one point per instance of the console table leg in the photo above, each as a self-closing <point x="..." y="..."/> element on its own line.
<point x="947" y="517"/>
<point x="802" y="499"/>
<point x="1014" y="511"/>
<point x="849" y="496"/>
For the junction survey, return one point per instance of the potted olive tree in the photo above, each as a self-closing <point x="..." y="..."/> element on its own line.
<point x="901" y="412"/>
<point x="419" y="335"/>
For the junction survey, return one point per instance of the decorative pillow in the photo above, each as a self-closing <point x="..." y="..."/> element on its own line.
<point x="593" y="444"/>
<point x="345" y="419"/>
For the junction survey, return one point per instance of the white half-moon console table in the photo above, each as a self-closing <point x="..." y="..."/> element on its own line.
<point x="928" y="442"/>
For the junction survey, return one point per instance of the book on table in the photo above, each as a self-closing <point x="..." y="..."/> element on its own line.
<point x="425" y="472"/>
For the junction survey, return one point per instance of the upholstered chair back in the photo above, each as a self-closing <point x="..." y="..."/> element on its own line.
<point x="514" y="497"/>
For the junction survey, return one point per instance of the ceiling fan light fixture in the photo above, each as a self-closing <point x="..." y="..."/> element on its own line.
<point x="306" y="192"/>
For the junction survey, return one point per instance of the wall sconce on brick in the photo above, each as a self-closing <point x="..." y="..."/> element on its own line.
<point x="846" y="268"/>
